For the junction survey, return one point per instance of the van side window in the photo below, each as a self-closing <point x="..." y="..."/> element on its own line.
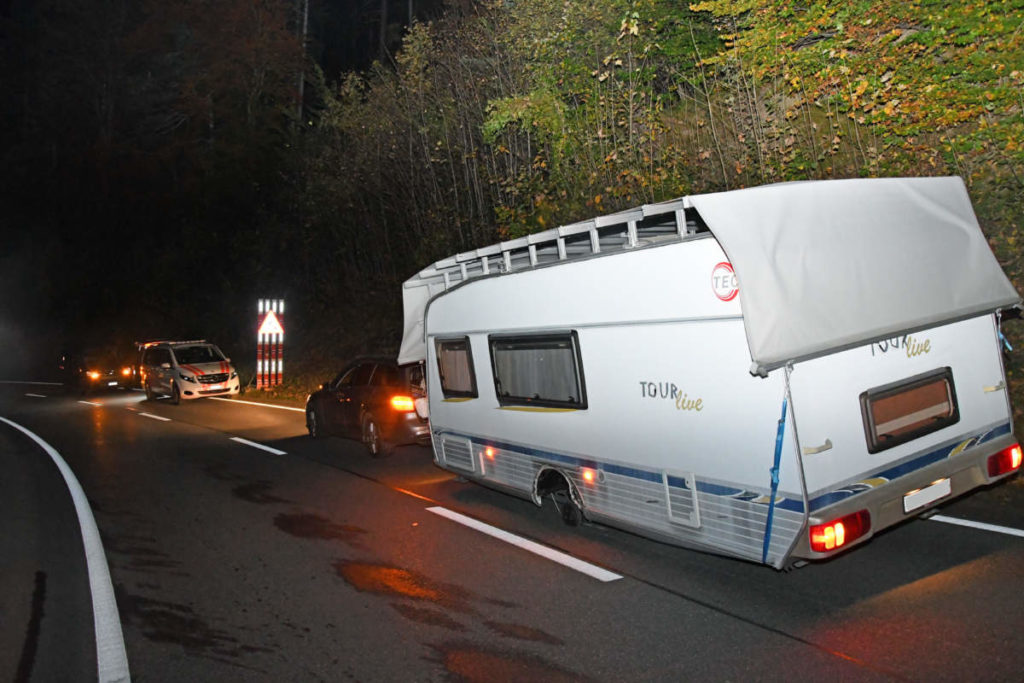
<point x="455" y="368"/>
<point x="544" y="370"/>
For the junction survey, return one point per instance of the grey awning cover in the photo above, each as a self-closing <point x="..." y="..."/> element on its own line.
<point x="824" y="266"/>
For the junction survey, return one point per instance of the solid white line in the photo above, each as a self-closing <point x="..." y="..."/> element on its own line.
<point x="155" y="417"/>
<point x="91" y="403"/>
<point x="42" y="384"/>
<point x="111" y="658"/>
<point x="254" y="403"/>
<point x="36" y="395"/>
<point x="1009" y="531"/>
<point x="268" y="449"/>
<point x="554" y="555"/>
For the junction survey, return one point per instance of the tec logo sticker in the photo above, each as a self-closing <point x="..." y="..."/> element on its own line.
<point x="724" y="282"/>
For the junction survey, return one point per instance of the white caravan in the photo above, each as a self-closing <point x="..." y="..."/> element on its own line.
<point x="774" y="373"/>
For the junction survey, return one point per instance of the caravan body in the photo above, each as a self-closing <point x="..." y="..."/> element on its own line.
<point x="773" y="374"/>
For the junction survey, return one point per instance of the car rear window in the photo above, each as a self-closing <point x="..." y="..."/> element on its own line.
<point x="387" y="376"/>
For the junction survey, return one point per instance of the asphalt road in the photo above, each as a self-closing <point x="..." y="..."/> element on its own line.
<point x="230" y="562"/>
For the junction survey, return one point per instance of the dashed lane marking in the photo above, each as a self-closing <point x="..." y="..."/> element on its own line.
<point x="260" y="446"/>
<point x="155" y="417"/>
<point x="544" y="551"/>
<point x="91" y="403"/>
<point x="36" y="395"/>
<point x="254" y="403"/>
<point x="111" y="658"/>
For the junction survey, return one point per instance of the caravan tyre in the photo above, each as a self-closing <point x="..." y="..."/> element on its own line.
<point x="571" y="513"/>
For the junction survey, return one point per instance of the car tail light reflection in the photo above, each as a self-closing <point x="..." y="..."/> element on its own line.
<point x="838" y="532"/>
<point x="403" y="404"/>
<point x="1004" y="461"/>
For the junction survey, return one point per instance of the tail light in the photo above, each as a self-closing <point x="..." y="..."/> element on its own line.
<point x="126" y="371"/>
<point x="95" y="375"/>
<point x="839" y="532"/>
<point x="1004" y="461"/>
<point x="403" y="404"/>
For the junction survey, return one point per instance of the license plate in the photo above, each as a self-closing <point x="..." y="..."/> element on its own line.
<point x="111" y="384"/>
<point x="215" y="387"/>
<point x="929" y="494"/>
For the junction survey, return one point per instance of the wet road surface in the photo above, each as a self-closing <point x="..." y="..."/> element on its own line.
<point x="316" y="562"/>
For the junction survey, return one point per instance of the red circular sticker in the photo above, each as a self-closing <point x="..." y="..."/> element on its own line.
<point x="723" y="281"/>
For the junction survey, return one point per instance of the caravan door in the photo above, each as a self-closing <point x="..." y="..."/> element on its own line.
<point x="897" y="426"/>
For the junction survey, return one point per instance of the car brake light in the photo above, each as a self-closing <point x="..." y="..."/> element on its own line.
<point x="126" y="371"/>
<point x="403" y="404"/>
<point x="1004" y="461"/>
<point x="838" y="532"/>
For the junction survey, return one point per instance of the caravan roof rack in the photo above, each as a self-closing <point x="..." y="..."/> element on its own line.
<point x="645" y="225"/>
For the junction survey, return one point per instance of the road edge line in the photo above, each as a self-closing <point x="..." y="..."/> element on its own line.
<point x="111" y="657"/>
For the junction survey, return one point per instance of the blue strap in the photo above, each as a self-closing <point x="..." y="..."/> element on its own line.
<point x="775" y="480"/>
<point x="1006" y="343"/>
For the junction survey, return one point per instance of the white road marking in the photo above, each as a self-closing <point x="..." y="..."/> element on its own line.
<point x="36" y="395"/>
<point x="111" y="658"/>
<point x="268" y="449"/>
<point x="91" y="403"/>
<point x="254" y="403"/>
<point x="155" y="417"/>
<point x="1009" y="531"/>
<point x="549" y="553"/>
<point x="42" y="384"/>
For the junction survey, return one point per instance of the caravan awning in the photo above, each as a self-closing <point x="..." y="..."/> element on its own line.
<point x="824" y="266"/>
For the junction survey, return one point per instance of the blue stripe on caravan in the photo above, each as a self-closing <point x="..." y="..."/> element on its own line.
<point x="709" y="488"/>
<point x="907" y="467"/>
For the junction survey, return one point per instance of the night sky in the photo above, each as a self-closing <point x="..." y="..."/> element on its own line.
<point x="143" y="189"/>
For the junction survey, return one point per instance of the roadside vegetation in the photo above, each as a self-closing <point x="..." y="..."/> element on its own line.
<point x="502" y="118"/>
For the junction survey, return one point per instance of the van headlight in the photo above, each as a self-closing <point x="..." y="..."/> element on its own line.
<point x="187" y="378"/>
<point x="233" y="375"/>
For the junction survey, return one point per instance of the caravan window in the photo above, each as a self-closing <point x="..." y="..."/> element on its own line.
<point x="901" y="412"/>
<point x="455" y="368"/>
<point x="543" y="370"/>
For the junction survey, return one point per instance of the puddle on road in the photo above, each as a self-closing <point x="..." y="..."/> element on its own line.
<point x="167" y="622"/>
<point x="472" y="664"/>
<point x="521" y="632"/>
<point x="307" y="525"/>
<point x="425" y="615"/>
<point x="258" y="492"/>
<point x="392" y="582"/>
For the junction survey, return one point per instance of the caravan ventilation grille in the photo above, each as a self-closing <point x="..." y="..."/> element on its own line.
<point x="457" y="453"/>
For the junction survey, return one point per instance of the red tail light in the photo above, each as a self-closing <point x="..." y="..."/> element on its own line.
<point x="1004" y="461"/>
<point x="126" y="371"/>
<point x="839" y="532"/>
<point x="403" y="404"/>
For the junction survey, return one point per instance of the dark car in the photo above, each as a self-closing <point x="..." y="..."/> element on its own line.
<point x="375" y="400"/>
<point x="95" y="370"/>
